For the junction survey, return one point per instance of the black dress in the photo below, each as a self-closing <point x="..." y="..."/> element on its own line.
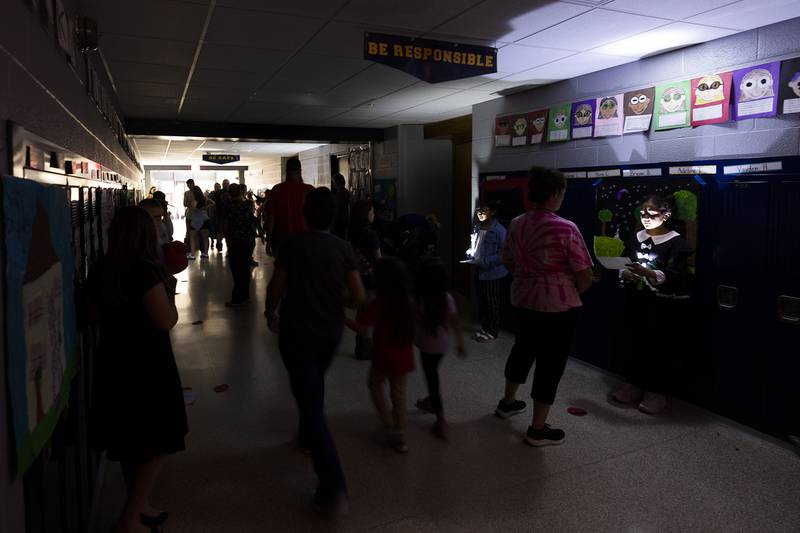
<point x="655" y="311"/>
<point x="137" y="407"/>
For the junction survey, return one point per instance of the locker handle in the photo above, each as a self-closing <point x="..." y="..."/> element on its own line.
<point x="727" y="297"/>
<point x="789" y="309"/>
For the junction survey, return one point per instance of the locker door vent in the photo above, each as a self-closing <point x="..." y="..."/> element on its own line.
<point x="727" y="297"/>
<point x="789" y="309"/>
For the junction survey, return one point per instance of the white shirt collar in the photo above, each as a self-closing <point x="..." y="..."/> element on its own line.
<point x="657" y="239"/>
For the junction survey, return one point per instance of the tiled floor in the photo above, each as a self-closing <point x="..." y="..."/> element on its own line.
<point x="619" y="470"/>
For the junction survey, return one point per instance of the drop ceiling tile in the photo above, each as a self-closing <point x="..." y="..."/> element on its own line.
<point x="227" y="78"/>
<point x="147" y="50"/>
<point x="261" y="30"/>
<point x="569" y="67"/>
<point x="372" y="83"/>
<point x="126" y="89"/>
<point x="453" y="102"/>
<point x="314" y="73"/>
<point x="670" y="37"/>
<point x="515" y="58"/>
<point x="311" y="115"/>
<point x="151" y="101"/>
<point x="235" y="95"/>
<point x="146" y="72"/>
<point x="184" y="146"/>
<point x="510" y="20"/>
<point x="749" y="14"/>
<point x="306" y="8"/>
<point x="239" y="58"/>
<point x="592" y="29"/>
<point x="203" y="110"/>
<point x="340" y="39"/>
<point x="411" y="97"/>
<point x="420" y="15"/>
<point x="665" y="10"/>
<point x="182" y="21"/>
<point x="140" y="111"/>
<point x="259" y="112"/>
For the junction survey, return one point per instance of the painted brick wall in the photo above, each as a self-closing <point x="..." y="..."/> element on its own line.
<point x="779" y="136"/>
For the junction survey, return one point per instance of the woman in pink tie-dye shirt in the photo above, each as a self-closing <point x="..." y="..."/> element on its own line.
<point x="551" y="267"/>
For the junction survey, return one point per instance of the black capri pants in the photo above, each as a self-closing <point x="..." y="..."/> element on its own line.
<point x="545" y="338"/>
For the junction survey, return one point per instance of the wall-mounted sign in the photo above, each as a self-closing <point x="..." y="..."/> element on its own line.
<point x="753" y="167"/>
<point x="641" y="172"/>
<point x="429" y="60"/>
<point x="609" y="173"/>
<point x="221" y="159"/>
<point x="696" y="169"/>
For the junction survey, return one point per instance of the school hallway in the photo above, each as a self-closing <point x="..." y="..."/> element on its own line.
<point x="619" y="469"/>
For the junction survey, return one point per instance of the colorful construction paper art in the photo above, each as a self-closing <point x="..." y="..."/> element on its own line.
<point x="537" y="121"/>
<point x="672" y="101"/>
<point x="609" y="116"/>
<point x="711" y="98"/>
<point x="754" y="91"/>
<point x="582" y="116"/>
<point x="559" y="123"/>
<point x="638" y="109"/>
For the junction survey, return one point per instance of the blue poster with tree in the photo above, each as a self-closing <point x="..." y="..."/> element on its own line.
<point x="40" y="311"/>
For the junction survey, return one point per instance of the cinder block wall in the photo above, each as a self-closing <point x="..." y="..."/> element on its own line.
<point x="778" y="136"/>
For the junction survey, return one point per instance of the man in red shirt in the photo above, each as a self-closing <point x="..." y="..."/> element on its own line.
<point x="285" y="207"/>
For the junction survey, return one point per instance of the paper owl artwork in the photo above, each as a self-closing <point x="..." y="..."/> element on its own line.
<point x="756" y="84"/>
<point x="607" y="108"/>
<point x="560" y="120"/>
<point x="794" y="84"/>
<point x="789" y="86"/>
<point x="756" y="89"/>
<point x="709" y="90"/>
<point x="538" y="124"/>
<point x="583" y="114"/>
<point x="673" y="100"/>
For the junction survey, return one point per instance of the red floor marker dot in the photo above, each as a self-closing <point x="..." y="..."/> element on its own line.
<point x="577" y="411"/>
<point x="221" y="388"/>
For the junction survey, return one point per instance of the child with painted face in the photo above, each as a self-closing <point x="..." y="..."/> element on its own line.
<point x="657" y="283"/>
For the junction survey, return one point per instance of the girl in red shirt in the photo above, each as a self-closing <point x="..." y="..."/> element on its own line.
<point x="393" y="315"/>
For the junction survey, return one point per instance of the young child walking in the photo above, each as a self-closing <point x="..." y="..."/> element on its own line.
<point x="393" y="316"/>
<point x="437" y="316"/>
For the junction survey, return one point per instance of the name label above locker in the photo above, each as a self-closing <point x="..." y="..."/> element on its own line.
<point x="754" y="167"/>
<point x="572" y="175"/>
<point x="698" y="169"/>
<point x="495" y="178"/>
<point x="641" y="172"/>
<point x="610" y="173"/>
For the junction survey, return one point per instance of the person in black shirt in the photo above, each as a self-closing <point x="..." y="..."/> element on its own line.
<point x="342" y="218"/>
<point x="137" y="412"/>
<point x="240" y="234"/>
<point x="657" y="297"/>
<point x="312" y="270"/>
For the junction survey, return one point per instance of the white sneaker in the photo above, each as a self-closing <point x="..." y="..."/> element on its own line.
<point x="191" y="257"/>
<point x="628" y="394"/>
<point x="204" y="256"/>
<point x="653" y="403"/>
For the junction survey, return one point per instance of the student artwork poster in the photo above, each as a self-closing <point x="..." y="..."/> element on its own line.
<point x="754" y="91"/>
<point x="583" y="119"/>
<point x="519" y="130"/>
<point x="502" y="131"/>
<point x="558" y="123"/>
<point x="638" y="109"/>
<point x="537" y="120"/>
<point x="789" y="93"/>
<point x="609" y="116"/>
<point x="672" y="101"/>
<point x="710" y="98"/>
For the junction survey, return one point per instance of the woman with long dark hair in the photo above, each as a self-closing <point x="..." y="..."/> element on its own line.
<point x="137" y="411"/>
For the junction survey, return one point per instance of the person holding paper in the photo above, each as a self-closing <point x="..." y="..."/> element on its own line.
<point x="551" y="267"/>
<point x="490" y="272"/>
<point x="657" y="284"/>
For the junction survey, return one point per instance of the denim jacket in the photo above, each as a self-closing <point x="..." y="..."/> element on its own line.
<point x="491" y="263"/>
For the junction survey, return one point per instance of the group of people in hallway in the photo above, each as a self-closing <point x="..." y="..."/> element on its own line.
<point x="318" y="274"/>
